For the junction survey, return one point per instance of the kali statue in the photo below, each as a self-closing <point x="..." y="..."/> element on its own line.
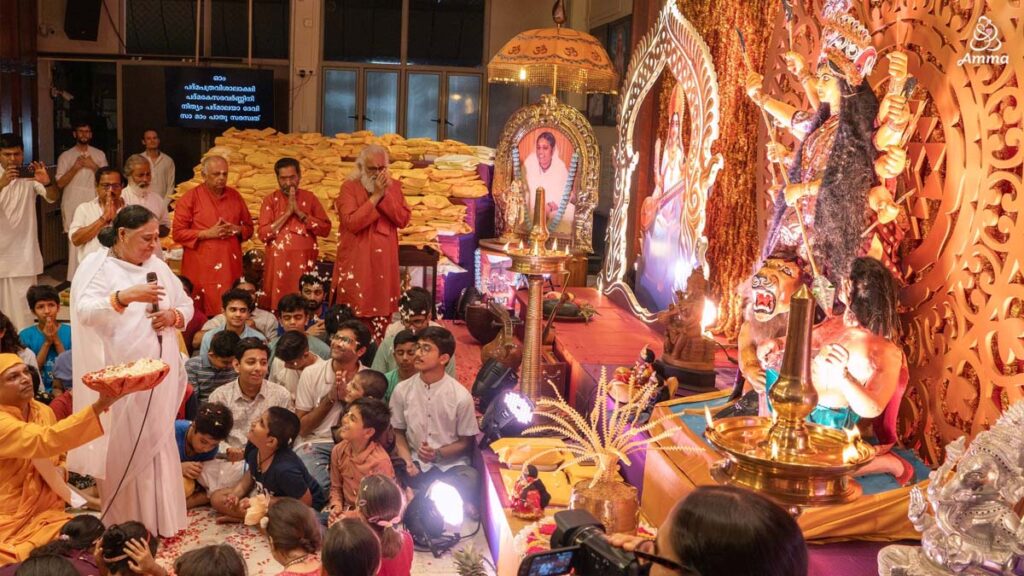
<point x="851" y="149"/>
<point x="972" y="527"/>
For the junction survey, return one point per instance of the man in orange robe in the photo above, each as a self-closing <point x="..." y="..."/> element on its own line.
<point x="371" y="210"/>
<point x="211" y="221"/>
<point x="291" y="219"/>
<point x="32" y="441"/>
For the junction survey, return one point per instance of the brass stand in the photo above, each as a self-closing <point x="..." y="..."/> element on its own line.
<point x="535" y="260"/>
<point x="795" y="462"/>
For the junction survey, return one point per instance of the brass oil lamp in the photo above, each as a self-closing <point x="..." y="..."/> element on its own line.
<point x="535" y="260"/>
<point x="795" y="462"/>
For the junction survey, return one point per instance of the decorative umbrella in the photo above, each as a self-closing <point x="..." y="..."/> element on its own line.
<point x="557" y="57"/>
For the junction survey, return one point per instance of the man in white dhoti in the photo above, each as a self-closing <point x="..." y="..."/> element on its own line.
<point x="545" y="169"/>
<point x="136" y="463"/>
<point x="76" y="173"/>
<point x="20" y="258"/>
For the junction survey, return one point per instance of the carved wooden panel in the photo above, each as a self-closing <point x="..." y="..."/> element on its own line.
<point x="963" y="306"/>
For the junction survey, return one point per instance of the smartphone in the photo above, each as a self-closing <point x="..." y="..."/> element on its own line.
<point x="26" y="171"/>
<point x="551" y="563"/>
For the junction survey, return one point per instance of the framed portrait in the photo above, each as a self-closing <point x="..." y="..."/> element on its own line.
<point x="495" y="277"/>
<point x="617" y="43"/>
<point x="596" y="102"/>
<point x="548" y="145"/>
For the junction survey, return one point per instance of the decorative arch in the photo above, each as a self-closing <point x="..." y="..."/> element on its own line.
<point x="673" y="44"/>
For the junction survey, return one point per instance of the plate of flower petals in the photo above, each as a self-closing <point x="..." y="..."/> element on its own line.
<point x="126" y="378"/>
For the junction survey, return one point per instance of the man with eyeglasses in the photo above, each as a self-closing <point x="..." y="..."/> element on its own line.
<point x="320" y="397"/>
<point x="76" y="170"/>
<point x="210" y="222"/>
<point x="94" y="215"/>
<point x="371" y="210"/>
<point x="291" y="220"/>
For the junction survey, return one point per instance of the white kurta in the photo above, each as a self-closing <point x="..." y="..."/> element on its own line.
<point x="553" y="182"/>
<point x="163" y="174"/>
<point x="20" y="258"/>
<point x="151" y="492"/>
<point x="80" y="190"/>
<point x="84" y="217"/>
<point x="151" y="200"/>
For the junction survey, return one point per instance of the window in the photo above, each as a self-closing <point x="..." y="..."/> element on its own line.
<point x="164" y="27"/>
<point x="463" y="113"/>
<point x="381" y="114"/>
<point x="446" y="32"/>
<point x="363" y="31"/>
<point x="270" y="28"/>
<point x="422" y="117"/>
<point x="340" y="112"/>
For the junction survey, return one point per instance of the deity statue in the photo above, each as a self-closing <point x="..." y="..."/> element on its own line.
<point x="767" y="316"/>
<point x="973" y="528"/>
<point x="859" y="371"/>
<point x="512" y="215"/>
<point x="685" y="344"/>
<point x="529" y="495"/>
<point x="843" y="170"/>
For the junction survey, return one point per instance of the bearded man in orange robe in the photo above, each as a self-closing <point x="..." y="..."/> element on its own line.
<point x="211" y="221"/>
<point x="371" y="210"/>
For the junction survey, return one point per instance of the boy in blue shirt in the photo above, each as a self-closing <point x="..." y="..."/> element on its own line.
<point x="198" y="442"/>
<point x="48" y="338"/>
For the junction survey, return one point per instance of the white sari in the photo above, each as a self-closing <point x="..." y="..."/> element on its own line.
<point x="152" y="491"/>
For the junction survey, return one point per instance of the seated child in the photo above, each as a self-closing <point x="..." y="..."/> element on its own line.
<point x="62" y="404"/>
<point x="358" y="454"/>
<point x="271" y="468"/>
<point x="198" y="442"/>
<point x="127" y="549"/>
<point x="290" y="358"/>
<point x="416" y="308"/>
<point x="294" y="534"/>
<point x="76" y="543"/>
<point x="404" y="352"/>
<point x="437" y="447"/>
<point x="381" y="505"/>
<point x="219" y="559"/>
<point x="369" y="384"/>
<point x="350" y="549"/>
<point x="48" y="338"/>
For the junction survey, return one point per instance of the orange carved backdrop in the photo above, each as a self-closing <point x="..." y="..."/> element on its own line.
<point x="963" y="307"/>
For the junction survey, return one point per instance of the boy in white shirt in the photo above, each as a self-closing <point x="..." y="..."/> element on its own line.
<point x="435" y="422"/>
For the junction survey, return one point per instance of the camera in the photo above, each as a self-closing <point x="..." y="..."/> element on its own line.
<point x="26" y="171"/>
<point x="578" y="544"/>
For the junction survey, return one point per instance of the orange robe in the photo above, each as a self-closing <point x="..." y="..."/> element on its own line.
<point x="31" y="513"/>
<point x="293" y="250"/>
<point x="213" y="264"/>
<point x="366" y="271"/>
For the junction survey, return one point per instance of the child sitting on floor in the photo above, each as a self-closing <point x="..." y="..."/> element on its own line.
<point x="198" y="442"/>
<point x="271" y="468"/>
<point x="350" y="549"/>
<point x="294" y="534"/>
<point x="219" y="559"/>
<point x="126" y="549"/>
<point x="358" y="454"/>
<point x="404" y="351"/>
<point x="381" y="505"/>
<point x="368" y="384"/>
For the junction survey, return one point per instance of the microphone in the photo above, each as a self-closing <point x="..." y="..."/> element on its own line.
<point x="151" y="279"/>
<point x="155" y="307"/>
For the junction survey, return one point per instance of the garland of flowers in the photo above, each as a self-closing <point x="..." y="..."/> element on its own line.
<point x="566" y="191"/>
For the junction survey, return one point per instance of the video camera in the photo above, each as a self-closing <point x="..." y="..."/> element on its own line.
<point x="578" y="543"/>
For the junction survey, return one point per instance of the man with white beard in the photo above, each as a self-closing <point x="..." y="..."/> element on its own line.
<point x="371" y="209"/>
<point x="140" y="191"/>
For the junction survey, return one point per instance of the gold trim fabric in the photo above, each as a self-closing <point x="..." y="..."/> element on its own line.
<point x="535" y="57"/>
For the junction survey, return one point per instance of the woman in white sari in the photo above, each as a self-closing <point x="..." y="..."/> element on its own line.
<point x="136" y="463"/>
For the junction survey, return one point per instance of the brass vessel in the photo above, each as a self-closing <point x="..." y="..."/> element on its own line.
<point x="787" y="458"/>
<point x="535" y="260"/>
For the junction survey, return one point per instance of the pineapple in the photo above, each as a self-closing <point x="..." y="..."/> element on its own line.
<point x="469" y="562"/>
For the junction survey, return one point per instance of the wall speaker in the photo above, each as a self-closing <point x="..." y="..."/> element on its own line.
<point x="82" y="19"/>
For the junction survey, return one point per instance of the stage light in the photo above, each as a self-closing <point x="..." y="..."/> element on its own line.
<point x="448" y="502"/>
<point x="508" y="415"/>
<point x="430" y="512"/>
<point x="492" y="378"/>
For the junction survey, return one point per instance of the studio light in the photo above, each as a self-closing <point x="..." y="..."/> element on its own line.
<point x="492" y="378"/>
<point x="430" y="512"/>
<point x="509" y="414"/>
